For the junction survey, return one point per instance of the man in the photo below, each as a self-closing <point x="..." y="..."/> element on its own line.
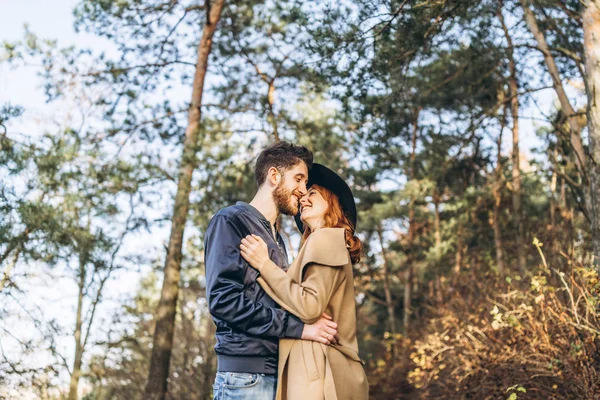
<point x="249" y="323"/>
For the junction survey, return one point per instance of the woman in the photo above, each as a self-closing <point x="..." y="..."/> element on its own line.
<point x="319" y="280"/>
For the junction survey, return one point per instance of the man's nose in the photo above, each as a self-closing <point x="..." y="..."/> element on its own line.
<point x="302" y="188"/>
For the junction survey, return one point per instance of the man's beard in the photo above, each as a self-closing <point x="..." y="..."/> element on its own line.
<point x="283" y="200"/>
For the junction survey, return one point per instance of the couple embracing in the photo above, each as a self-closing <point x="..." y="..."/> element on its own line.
<point x="286" y="331"/>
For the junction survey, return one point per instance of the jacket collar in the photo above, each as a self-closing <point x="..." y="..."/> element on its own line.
<point x="256" y="213"/>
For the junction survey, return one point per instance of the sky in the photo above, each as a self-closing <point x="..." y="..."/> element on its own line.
<point x="48" y="20"/>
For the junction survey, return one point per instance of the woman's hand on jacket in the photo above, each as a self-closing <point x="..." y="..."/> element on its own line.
<point x="255" y="251"/>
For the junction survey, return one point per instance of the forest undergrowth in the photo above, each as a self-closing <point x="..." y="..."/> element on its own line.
<point x="502" y="337"/>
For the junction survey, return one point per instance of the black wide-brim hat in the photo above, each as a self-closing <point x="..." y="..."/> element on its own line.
<point x="323" y="176"/>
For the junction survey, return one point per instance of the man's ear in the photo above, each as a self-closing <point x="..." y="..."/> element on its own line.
<point x="273" y="176"/>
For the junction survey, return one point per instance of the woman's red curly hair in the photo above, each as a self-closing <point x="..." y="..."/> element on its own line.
<point x="336" y="218"/>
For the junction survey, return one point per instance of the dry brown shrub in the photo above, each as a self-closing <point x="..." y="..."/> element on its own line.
<point x="497" y="338"/>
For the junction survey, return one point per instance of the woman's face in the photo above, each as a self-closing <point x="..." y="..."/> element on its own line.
<point x="312" y="208"/>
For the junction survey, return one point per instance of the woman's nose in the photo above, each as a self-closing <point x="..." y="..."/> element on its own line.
<point x="304" y="200"/>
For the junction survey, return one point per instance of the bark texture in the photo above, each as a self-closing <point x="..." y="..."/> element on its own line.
<point x="76" y="372"/>
<point x="497" y="202"/>
<point x="389" y="303"/>
<point x="591" y="46"/>
<point x="408" y="274"/>
<point x="517" y="197"/>
<point x="156" y="386"/>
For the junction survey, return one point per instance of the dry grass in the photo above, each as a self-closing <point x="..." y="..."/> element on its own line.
<point x="497" y="338"/>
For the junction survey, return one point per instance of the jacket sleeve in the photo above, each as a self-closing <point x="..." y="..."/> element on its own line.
<point x="225" y="286"/>
<point x="321" y="276"/>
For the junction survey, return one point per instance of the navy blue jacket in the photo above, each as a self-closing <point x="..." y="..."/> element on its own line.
<point x="249" y="323"/>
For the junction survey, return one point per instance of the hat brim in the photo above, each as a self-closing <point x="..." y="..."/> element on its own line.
<point x="323" y="176"/>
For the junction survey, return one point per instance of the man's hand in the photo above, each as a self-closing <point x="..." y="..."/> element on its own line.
<point x="322" y="331"/>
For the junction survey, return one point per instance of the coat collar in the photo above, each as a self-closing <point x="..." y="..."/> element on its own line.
<point x="326" y="246"/>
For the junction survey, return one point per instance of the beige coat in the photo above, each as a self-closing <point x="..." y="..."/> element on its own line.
<point x="319" y="280"/>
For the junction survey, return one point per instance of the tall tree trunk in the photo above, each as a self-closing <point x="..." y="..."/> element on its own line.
<point x="437" y="225"/>
<point x="516" y="168"/>
<point x="389" y="303"/>
<point x="574" y="126"/>
<point x="76" y="372"/>
<point x="591" y="48"/>
<point x="407" y="298"/>
<point x="459" y="253"/>
<point x="208" y="354"/>
<point x="553" y="203"/>
<point x="408" y="274"/>
<point x="497" y="200"/>
<point x="156" y="386"/>
<point x="438" y="244"/>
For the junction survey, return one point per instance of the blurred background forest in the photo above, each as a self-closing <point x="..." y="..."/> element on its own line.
<point x="464" y="129"/>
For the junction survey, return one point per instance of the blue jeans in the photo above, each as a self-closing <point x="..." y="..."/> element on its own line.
<point x="244" y="386"/>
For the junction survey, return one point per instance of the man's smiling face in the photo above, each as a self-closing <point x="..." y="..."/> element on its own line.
<point x="291" y="188"/>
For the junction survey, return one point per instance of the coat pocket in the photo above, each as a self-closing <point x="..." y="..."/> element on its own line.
<point x="310" y="363"/>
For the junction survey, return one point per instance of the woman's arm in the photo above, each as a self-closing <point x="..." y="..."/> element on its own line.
<point x="309" y="298"/>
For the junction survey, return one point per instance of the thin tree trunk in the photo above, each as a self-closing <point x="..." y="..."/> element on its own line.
<point x="76" y="372"/>
<point x="271" y="101"/>
<point x="156" y="386"/>
<point x="516" y="168"/>
<point x="438" y="245"/>
<point x="437" y="225"/>
<point x="574" y="126"/>
<point x="458" y="254"/>
<point x="591" y="47"/>
<point x="497" y="201"/>
<point x="209" y="367"/>
<point x="270" y="81"/>
<point x="388" y="295"/>
<point x="563" y="194"/>
<point x="439" y="289"/>
<point x="407" y="298"/>
<point x="553" y="203"/>
<point x="498" y="234"/>
<point x="408" y="274"/>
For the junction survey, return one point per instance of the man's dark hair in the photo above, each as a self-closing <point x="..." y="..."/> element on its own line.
<point x="281" y="155"/>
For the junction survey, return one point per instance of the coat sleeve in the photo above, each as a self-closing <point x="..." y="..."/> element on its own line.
<point x="322" y="259"/>
<point x="225" y="287"/>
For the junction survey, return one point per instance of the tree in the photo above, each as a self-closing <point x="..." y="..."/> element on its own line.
<point x="165" y="314"/>
<point x="570" y="114"/>
<point x="58" y="202"/>
<point x="591" y="42"/>
<point x="513" y="94"/>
